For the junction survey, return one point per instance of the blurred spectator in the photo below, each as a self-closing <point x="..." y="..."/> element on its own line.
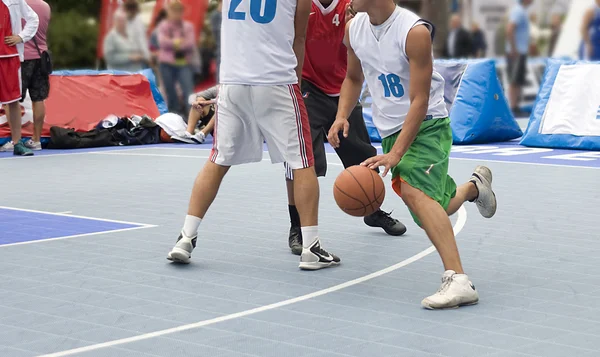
<point x="200" y="122"/>
<point x="555" y="28"/>
<point x="478" y="41"/>
<point x="119" y="51"/>
<point x="162" y="15"/>
<point x="12" y="37"/>
<point x="590" y="31"/>
<point x="176" y="53"/>
<point x="136" y="29"/>
<point x="535" y="34"/>
<point x="35" y="79"/>
<point x="215" y="22"/>
<point x="517" y="48"/>
<point x="458" y="44"/>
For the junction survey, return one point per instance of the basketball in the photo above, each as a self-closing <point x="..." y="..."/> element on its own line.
<point x="359" y="191"/>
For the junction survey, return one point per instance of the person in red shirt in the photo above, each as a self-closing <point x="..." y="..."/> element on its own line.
<point x="323" y="73"/>
<point x="12" y="36"/>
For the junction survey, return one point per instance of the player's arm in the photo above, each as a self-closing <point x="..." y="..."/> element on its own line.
<point x="300" y="24"/>
<point x="418" y="51"/>
<point x="511" y="28"/>
<point x="349" y="94"/>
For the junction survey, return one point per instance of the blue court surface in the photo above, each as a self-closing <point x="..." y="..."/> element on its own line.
<point x="83" y="269"/>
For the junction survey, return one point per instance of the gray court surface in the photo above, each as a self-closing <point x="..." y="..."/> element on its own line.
<point x="535" y="265"/>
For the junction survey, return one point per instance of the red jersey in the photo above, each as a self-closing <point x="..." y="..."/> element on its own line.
<point x="6" y="30"/>
<point x="326" y="56"/>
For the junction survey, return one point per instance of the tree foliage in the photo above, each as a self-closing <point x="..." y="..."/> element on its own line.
<point x="73" y="32"/>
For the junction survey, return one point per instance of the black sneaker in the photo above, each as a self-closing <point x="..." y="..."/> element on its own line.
<point x="295" y="240"/>
<point x="384" y="220"/>
<point x="315" y="258"/>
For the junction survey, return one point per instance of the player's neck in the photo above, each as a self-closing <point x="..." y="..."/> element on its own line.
<point x="325" y="3"/>
<point x="379" y="14"/>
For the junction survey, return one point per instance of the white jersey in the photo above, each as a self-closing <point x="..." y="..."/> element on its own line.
<point x="382" y="53"/>
<point x="257" y="38"/>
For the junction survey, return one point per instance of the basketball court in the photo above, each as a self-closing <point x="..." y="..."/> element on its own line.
<point x="85" y="234"/>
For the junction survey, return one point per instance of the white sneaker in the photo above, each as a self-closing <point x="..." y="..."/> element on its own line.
<point x="456" y="290"/>
<point x="33" y="145"/>
<point x="199" y="137"/>
<point x="315" y="258"/>
<point x="182" y="252"/>
<point x="486" y="200"/>
<point x="8" y="147"/>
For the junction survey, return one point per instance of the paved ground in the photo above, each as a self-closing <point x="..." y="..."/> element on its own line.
<point x="85" y="235"/>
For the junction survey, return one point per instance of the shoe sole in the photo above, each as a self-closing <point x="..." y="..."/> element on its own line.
<point x="317" y="265"/>
<point x="179" y="256"/>
<point x="451" y="307"/>
<point x="391" y="233"/>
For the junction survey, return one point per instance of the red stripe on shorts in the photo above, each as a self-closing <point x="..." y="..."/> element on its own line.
<point x="214" y="152"/>
<point x="303" y="125"/>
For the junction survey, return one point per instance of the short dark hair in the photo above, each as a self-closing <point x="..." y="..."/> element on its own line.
<point x="131" y="5"/>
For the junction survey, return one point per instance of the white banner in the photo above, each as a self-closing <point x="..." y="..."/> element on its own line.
<point x="574" y="105"/>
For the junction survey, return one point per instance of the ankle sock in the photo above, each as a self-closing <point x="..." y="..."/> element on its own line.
<point x="309" y="236"/>
<point x="191" y="225"/>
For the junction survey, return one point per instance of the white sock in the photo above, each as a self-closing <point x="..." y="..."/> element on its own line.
<point x="309" y="235"/>
<point x="190" y="226"/>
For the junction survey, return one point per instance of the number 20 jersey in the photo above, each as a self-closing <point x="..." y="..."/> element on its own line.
<point x="387" y="71"/>
<point x="257" y="38"/>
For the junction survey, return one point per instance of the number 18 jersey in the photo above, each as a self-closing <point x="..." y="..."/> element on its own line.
<point x="382" y="53"/>
<point x="257" y="38"/>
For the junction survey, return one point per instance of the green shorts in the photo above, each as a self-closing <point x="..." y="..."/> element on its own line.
<point x="425" y="165"/>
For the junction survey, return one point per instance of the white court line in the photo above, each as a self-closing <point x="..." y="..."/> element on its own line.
<point x="460" y="223"/>
<point x="63" y="214"/>
<point x="122" y="153"/>
<point x="75" y="216"/>
<point x="75" y="236"/>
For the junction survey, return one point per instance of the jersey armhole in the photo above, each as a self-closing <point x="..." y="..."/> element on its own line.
<point x="430" y="27"/>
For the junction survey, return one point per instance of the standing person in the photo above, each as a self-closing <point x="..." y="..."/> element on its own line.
<point x="324" y="71"/>
<point x="517" y="48"/>
<point x="458" y="43"/>
<point x="12" y="37"/>
<point x="177" y="44"/>
<point x="590" y="32"/>
<point x="393" y="48"/>
<point x="118" y="49"/>
<point x="260" y="100"/>
<point x="34" y="79"/>
<point x="479" y="41"/>
<point x="137" y="31"/>
<point x="215" y="23"/>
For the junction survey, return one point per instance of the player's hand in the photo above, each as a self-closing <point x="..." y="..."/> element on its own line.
<point x="339" y="125"/>
<point x="388" y="161"/>
<point x="12" y="40"/>
<point x="201" y="103"/>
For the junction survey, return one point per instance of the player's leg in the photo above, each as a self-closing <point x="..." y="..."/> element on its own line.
<point x="355" y="149"/>
<point x="295" y="235"/>
<point x="319" y="111"/>
<point x="421" y="179"/>
<point x="237" y="140"/>
<point x="284" y="124"/>
<point x="10" y="94"/>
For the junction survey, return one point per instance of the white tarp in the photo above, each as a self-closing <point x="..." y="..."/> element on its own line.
<point x="574" y="105"/>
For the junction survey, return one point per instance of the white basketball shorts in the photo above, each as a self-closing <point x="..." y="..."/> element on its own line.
<point x="247" y="116"/>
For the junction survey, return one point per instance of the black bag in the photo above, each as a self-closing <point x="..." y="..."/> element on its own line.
<point x="45" y="60"/>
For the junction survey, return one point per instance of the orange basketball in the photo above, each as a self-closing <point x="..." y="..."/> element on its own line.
<point x="359" y="191"/>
